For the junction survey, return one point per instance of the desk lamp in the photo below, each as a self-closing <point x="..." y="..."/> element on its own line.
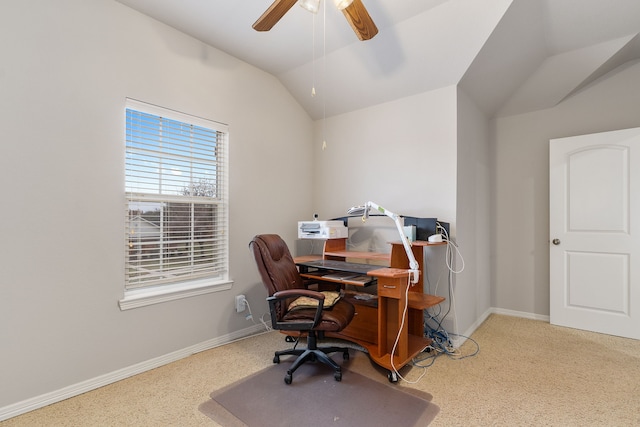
<point x="414" y="268"/>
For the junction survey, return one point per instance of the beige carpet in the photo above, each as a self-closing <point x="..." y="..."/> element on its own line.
<point x="526" y="373"/>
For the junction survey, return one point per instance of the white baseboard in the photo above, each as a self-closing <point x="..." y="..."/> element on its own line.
<point x="112" y="377"/>
<point x="457" y="341"/>
<point x="461" y="339"/>
<point x="522" y="314"/>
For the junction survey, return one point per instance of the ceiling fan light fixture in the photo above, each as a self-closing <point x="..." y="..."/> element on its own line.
<point x="341" y="4"/>
<point x="311" y="5"/>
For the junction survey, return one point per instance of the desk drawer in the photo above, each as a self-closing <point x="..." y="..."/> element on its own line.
<point x="391" y="290"/>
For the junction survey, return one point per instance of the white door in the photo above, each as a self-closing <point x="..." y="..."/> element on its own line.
<point x="594" y="241"/>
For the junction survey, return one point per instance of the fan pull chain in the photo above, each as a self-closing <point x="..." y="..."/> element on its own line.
<point x="313" y="57"/>
<point x="324" y="76"/>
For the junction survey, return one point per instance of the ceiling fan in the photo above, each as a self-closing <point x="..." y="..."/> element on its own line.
<point x="355" y="12"/>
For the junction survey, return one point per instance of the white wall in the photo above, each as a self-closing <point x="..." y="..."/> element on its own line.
<point x="472" y="297"/>
<point x="401" y="155"/>
<point x="414" y="157"/>
<point x="66" y="69"/>
<point x="427" y="156"/>
<point x="520" y="252"/>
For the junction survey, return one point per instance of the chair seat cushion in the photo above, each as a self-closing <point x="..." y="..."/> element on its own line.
<point x="330" y="299"/>
<point x="334" y="319"/>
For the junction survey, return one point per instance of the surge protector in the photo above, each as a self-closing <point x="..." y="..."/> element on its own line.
<point x="240" y="303"/>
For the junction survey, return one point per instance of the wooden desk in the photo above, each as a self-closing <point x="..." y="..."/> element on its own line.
<point x="379" y="321"/>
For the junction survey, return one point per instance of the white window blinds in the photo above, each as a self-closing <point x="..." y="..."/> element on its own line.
<point x="176" y="207"/>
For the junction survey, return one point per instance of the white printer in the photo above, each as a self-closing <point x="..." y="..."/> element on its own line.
<point x="322" y="230"/>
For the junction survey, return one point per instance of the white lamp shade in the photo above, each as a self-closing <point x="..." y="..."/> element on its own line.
<point x="341" y="4"/>
<point x="311" y="5"/>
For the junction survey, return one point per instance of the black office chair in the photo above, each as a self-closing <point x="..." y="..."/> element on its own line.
<point x="284" y="285"/>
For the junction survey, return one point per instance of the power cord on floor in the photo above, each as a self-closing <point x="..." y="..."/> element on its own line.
<point x="250" y="317"/>
<point x="433" y="352"/>
<point x="442" y="343"/>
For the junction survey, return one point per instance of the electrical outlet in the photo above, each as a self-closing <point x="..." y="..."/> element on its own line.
<point x="240" y="303"/>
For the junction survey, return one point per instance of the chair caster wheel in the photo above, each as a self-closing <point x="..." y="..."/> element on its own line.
<point x="393" y="377"/>
<point x="289" y="338"/>
<point x="338" y="376"/>
<point x="276" y="359"/>
<point x="345" y="355"/>
<point x="288" y="378"/>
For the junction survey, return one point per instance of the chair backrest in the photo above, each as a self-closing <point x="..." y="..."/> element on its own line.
<point x="275" y="264"/>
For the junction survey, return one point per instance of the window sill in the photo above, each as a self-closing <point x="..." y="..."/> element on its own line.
<point x="156" y="295"/>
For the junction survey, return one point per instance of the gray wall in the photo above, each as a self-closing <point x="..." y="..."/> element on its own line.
<point x="414" y="156"/>
<point x="520" y="229"/>
<point x="67" y="67"/>
<point x="426" y="155"/>
<point x="401" y="155"/>
<point x="472" y="295"/>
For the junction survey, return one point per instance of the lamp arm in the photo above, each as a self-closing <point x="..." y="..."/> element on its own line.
<point x="414" y="267"/>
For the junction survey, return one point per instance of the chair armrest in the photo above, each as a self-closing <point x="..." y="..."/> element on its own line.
<point x="294" y="293"/>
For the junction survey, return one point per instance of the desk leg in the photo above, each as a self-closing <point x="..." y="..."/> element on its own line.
<point x="383" y="326"/>
<point x="390" y="316"/>
<point x="402" y="349"/>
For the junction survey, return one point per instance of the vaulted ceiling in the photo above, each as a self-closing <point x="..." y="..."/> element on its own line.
<point x="510" y="56"/>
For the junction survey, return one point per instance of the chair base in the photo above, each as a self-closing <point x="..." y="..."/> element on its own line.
<point x="312" y="353"/>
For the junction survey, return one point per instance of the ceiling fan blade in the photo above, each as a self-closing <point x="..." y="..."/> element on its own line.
<point x="272" y="15"/>
<point x="360" y="20"/>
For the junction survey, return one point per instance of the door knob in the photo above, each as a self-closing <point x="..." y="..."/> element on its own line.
<point x="556" y="241"/>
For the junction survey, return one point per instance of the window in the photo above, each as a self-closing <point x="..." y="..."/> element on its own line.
<point x="176" y="240"/>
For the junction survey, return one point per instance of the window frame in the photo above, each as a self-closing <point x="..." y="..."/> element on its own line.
<point x="139" y="296"/>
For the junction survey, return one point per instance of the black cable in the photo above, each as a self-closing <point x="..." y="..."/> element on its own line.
<point x="450" y="354"/>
